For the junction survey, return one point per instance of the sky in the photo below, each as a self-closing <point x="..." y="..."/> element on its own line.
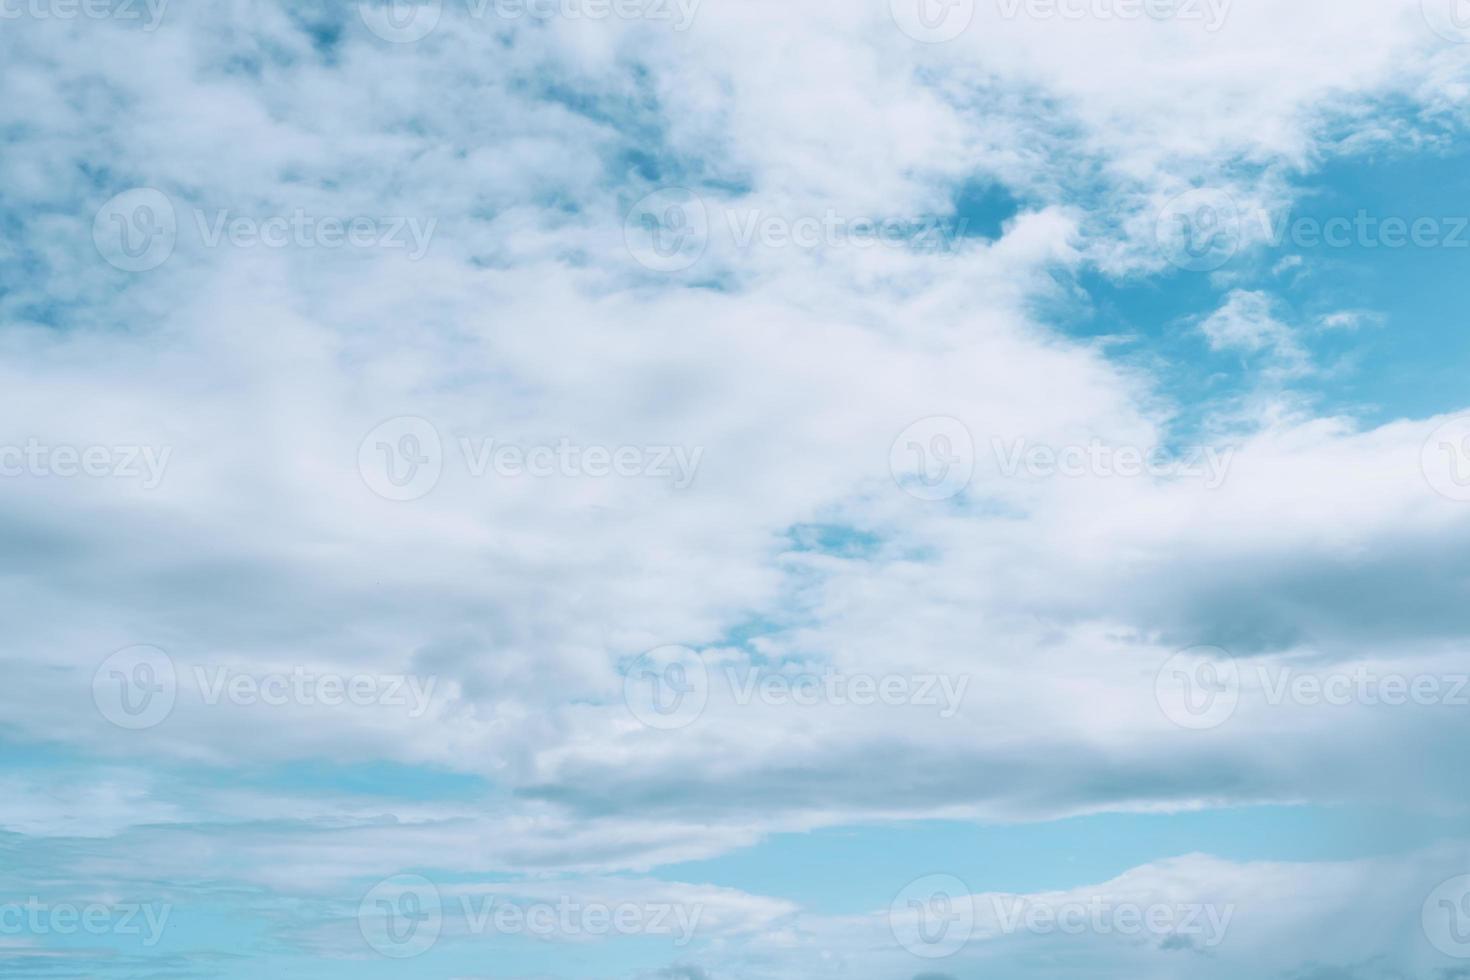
<point x="734" y="489"/>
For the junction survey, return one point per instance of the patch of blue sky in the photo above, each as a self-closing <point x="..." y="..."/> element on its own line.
<point x="1383" y="318"/>
<point x="858" y="869"/>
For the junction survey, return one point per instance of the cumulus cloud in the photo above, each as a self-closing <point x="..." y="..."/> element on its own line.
<point x="493" y="166"/>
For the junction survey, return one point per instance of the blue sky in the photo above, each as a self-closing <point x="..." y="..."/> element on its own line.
<point x="693" y="490"/>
